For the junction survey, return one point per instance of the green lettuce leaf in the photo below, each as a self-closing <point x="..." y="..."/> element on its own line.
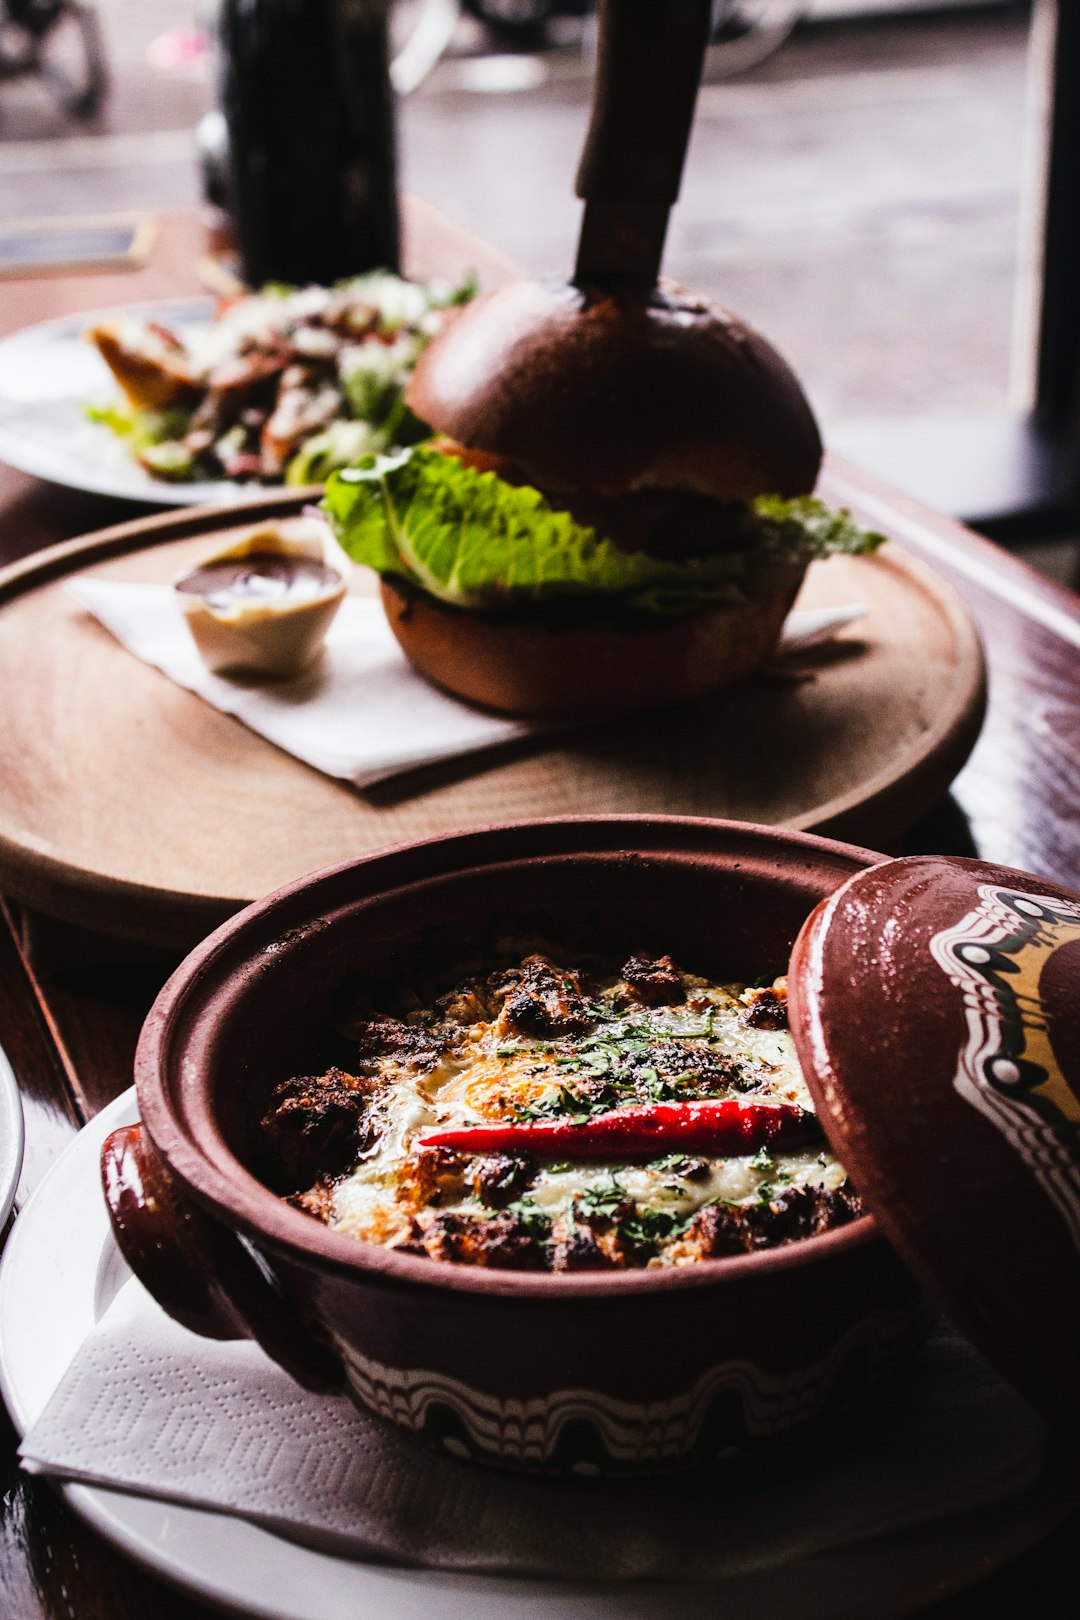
<point x="142" y="427"/>
<point x="473" y="541"/>
<point x="334" y="447"/>
<point x="169" y="459"/>
<point x="119" y="419"/>
<point x="813" y="528"/>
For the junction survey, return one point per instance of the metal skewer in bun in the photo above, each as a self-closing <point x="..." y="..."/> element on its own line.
<point x="639" y="408"/>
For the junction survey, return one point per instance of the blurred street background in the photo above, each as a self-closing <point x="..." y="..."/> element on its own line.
<point x="857" y="195"/>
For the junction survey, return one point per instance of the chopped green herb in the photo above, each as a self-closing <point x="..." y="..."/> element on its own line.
<point x="647" y="1227"/>
<point x="535" y="1222"/>
<point x="602" y="1198"/>
<point x="661" y="1032"/>
<point x="559" y="1102"/>
<point x="676" y="1164"/>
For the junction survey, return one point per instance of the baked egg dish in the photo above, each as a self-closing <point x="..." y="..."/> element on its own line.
<point x="554" y="1117"/>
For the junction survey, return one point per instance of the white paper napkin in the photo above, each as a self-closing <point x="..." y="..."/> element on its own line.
<point x="362" y="713"/>
<point x="148" y="1407"/>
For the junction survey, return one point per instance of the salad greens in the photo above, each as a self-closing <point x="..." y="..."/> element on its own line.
<point x="285" y="384"/>
<point x="154" y="436"/>
<point x="474" y="541"/>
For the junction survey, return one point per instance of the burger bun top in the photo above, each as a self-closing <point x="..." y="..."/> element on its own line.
<point x="605" y="391"/>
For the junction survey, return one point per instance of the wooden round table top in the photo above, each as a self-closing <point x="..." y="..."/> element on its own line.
<point x="133" y="808"/>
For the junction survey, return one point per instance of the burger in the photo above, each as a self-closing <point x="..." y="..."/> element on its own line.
<point x="614" y="512"/>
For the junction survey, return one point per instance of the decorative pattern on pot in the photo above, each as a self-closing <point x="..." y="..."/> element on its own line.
<point x="584" y="1431"/>
<point x="1009" y="1069"/>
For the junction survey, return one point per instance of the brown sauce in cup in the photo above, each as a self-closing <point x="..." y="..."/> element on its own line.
<point x="260" y="577"/>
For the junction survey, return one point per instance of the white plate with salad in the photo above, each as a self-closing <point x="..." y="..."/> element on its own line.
<point x="189" y="401"/>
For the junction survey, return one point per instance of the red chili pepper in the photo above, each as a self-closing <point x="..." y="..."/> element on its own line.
<point x="645" y="1130"/>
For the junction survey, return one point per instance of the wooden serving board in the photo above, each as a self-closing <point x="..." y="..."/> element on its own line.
<point x="130" y="807"/>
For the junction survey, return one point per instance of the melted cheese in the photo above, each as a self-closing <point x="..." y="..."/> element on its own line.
<point x="482" y="1074"/>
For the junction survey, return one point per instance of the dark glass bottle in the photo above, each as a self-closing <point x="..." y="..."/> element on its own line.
<point x="309" y="108"/>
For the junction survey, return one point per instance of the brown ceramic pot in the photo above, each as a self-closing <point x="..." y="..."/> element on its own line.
<point x="584" y="1372"/>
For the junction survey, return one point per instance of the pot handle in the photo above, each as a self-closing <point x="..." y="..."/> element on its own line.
<point x="198" y="1271"/>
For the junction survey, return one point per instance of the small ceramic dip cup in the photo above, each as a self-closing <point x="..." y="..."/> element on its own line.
<point x="262" y="605"/>
<point x="581" y="1372"/>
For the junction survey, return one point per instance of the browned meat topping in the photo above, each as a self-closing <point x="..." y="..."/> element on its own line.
<point x="718" y="1230"/>
<point x="767" y="1008"/>
<point x="710" y="1074"/>
<point x="317" y="1125"/>
<point x="689" y="1169"/>
<point x="582" y="1250"/>
<point x="237" y="378"/>
<point x="502" y="1177"/>
<point x="432" y="1176"/>
<point x="241" y="391"/>
<point x="406" y="1043"/>
<point x="654" y="981"/>
<point x="543" y="1000"/>
<point x="800" y="1212"/>
<point x="500" y="1241"/>
<point x="317" y="1201"/>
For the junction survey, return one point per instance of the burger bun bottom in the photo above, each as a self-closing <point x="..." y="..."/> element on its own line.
<point x="548" y="671"/>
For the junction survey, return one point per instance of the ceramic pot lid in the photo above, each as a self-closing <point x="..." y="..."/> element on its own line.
<point x="935" y="1004"/>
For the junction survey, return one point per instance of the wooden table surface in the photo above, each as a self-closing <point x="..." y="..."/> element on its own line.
<point x="69" y="1017"/>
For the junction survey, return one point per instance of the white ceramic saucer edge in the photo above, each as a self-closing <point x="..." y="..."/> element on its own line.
<point x="11" y="1137"/>
<point x="61" y="1256"/>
